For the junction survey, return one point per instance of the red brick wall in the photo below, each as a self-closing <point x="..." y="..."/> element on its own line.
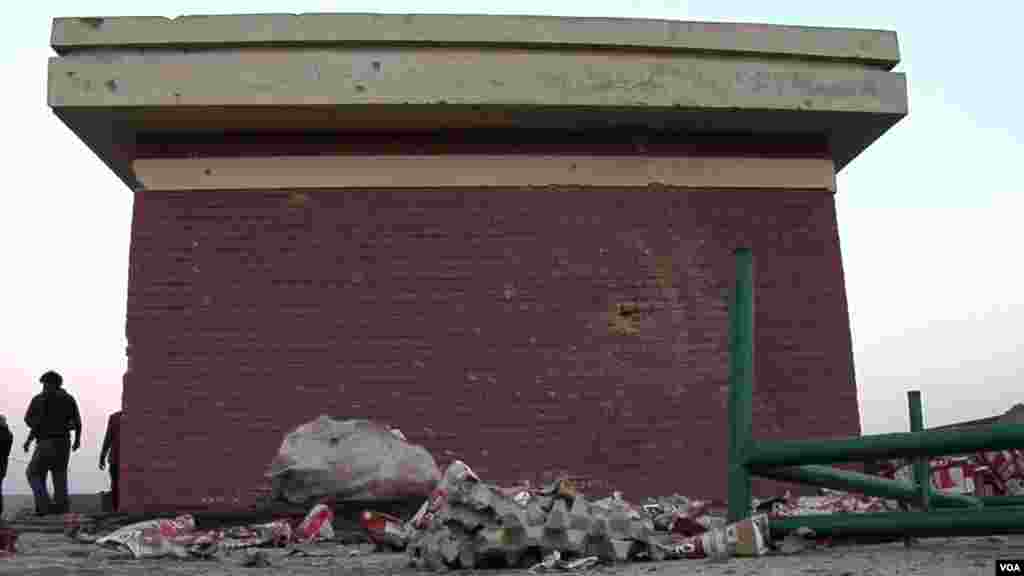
<point x="485" y="324"/>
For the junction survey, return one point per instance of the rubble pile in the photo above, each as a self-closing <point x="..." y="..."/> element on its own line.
<point x="470" y="524"/>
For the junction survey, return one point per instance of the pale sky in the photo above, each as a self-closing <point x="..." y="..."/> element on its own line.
<point x="929" y="216"/>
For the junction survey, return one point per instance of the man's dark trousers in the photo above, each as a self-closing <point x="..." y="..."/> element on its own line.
<point x="115" y="489"/>
<point x="51" y="456"/>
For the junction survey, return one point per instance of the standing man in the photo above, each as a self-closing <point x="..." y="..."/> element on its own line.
<point x="111" y="445"/>
<point x="6" y="441"/>
<point x="51" y="416"/>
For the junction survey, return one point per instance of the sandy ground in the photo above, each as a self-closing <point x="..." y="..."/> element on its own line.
<point x="57" y="555"/>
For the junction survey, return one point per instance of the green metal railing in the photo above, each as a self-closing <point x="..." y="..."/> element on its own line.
<point x="804" y="461"/>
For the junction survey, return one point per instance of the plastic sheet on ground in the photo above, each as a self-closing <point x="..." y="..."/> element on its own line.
<point x="350" y="460"/>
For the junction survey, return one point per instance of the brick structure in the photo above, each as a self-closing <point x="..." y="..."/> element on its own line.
<point x="526" y="291"/>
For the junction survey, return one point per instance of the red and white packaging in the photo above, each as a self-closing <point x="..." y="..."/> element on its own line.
<point x="155" y="538"/>
<point x="317" y="525"/>
<point x="384" y="529"/>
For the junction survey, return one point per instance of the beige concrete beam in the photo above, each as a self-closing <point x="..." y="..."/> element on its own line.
<point x="867" y="47"/>
<point x="481" y="171"/>
<point x="338" y="77"/>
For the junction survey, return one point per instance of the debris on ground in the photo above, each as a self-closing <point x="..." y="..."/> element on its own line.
<point x="254" y="558"/>
<point x="801" y="539"/>
<point x="554" y="563"/>
<point x="828" y="502"/>
<point x="469" y="524"/>
<point x="387" y="532"/>
<point x="179" y="538"/>
<point x="350" y="460"/>
<point x="8" y="539"/>
<point x="987" y="473"/>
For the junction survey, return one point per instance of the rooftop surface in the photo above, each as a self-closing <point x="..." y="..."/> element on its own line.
<point x="876" y="48"/>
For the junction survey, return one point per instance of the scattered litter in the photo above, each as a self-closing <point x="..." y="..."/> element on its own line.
<point x="831" y="502"/>
<point x="179" y="538"/>
<point x="8" y="538"/>
<point x="801" y="539"/>
<point x="254" y="558"/>
<point x="385" y="530"/>
<point x="317" y="525"/>
<point x="350" y="460"/>
<point x="155" y="538"/>
<point x="554" y="562"/>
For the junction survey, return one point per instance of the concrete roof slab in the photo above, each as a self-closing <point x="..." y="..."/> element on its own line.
<point x="118" y="77"/>
<point x="878" y="48"/>
<point x="339" y="76"/>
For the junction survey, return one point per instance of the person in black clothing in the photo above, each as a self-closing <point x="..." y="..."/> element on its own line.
<point x="51" y="415"/>
<point x="6" y="441"/>
<point x="111" y="447"/>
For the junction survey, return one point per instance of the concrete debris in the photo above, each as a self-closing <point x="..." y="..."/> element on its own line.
<point x="356" y="460"/>
<point x="254" y="558"/>
<point x="801" y="539"/>
<point x="554" y="563"/>
<point x="469" y="524"/>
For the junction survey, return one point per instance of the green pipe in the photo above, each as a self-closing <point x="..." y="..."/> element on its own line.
<point x="829" y="477"/>
<point x="980" y="522"/>
<point x="922" y="467"/>
<point x="886" y="446"/>
<point x="741" y="383"/>
<point x="1002" y="500"/>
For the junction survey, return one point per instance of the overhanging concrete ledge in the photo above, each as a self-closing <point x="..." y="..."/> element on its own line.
<point x="865" y="47"/>
<point x="123" y="76"/>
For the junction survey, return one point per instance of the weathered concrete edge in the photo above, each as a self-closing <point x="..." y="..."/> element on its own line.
<point x="876" y="48"/>
<point x="482" y="171"/>
<point x="283" y="78"/>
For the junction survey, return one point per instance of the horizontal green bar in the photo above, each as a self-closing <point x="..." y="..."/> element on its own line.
<point x="885" y="446"/>
<point x="829" y="477"/>
<point x="959" y="522"/>
<point x="1002" y="500"/>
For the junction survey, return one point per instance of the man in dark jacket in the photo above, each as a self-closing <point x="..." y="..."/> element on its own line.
<point x="51" y="416"/>
<point x="111" y="447"/>
<point x="6" y="441"/>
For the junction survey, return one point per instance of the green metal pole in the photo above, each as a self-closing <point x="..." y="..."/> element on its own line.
<point x="1002" y="500"/>
<point x="829" y="477"/>
<point x="922" y="466"/>
<point x="980" y="522"/>
<point x="884" y="446"/>
<point x="741" y="383"/>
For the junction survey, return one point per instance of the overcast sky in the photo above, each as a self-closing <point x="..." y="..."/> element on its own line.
<point x="930" y="215"/>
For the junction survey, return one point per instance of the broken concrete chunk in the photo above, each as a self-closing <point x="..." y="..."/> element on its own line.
<point x="350" y="460"/>
<point x="558" y="517"/>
